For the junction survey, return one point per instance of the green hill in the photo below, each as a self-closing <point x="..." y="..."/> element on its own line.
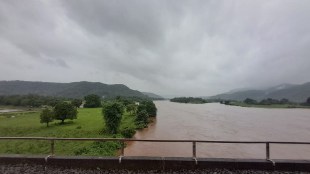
<point x="153" y="96"/>
<point x="295" y="93"/>
<point x="68" y="90"/>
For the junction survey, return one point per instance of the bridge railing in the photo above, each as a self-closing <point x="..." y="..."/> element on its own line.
<point x="124" y="140"/>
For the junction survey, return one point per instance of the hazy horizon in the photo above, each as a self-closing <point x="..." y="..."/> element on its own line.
<point x="179" y="48"/>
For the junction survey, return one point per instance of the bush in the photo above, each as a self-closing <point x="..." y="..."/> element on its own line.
<point x="128" y="132"/>
<point x="77" y="102"/>
<point x="142" y="119"/>
<point x="99" y="148"/>
<point x="131" y="108"/>
<point x="112" y="114"/>
<point x="149" y="107"/>
<point x="92" y="101"/>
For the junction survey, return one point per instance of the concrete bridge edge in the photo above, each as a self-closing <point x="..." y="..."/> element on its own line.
<point x="158" y="163"/>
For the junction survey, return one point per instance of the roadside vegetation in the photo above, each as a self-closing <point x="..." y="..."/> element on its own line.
<point x="113" y="118"/>
<point x="268" y="103"/>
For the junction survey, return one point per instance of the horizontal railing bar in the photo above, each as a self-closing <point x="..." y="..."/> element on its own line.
<point x="149" y="140"/>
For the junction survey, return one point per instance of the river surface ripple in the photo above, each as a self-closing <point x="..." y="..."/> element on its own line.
<point x="214" y="121"/>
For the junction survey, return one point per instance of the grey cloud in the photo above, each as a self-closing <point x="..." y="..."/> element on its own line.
<point x="168" y="47"/>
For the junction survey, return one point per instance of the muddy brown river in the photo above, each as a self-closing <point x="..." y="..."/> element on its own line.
<point x="215" y="121"/>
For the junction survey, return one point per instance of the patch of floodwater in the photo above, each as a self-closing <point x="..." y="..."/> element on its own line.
<point x="9" y="110"/>
<point x="220" y="122"/>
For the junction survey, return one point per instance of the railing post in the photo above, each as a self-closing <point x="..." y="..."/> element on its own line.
<point x="194" y="149"/>
<point x="267" y="151"/>
<point x="52" y="147"/>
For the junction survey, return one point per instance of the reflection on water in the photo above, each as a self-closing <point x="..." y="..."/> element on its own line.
<point x="220" y="122"/>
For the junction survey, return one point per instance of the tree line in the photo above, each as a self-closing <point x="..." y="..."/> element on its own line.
<point x="188" y="100"/>
<point x="30" y="100"/>
<point x="270" y="101"/>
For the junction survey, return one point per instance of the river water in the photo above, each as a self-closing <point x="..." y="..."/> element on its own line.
<point x="9" y="110"/>
<point x="214" y="121"/>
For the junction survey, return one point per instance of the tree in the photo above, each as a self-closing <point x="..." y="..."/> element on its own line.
<point x="149" y="106"/>
<point x="131" y="108"/>
<point x="46" y="116"/>
<point x="112" y="114"/>
<point x="269" y="101"/>
<point x="250" y="101"/>
<point x="308" y="101"/>
<point x="65" y="111"/>
<point x="284" y="101"/>
<point x="92" y="101"/>
<point x="77" y="102"/>
<point x="142" y="118"/>
<point x="195" y="100"/>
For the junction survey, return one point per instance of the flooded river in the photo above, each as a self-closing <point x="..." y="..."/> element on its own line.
<point x="220" y="122"/>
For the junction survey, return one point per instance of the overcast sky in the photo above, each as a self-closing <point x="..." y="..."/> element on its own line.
<point x="196" y="47"/>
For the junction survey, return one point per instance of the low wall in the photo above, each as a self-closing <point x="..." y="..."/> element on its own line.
<point x="158" y="163"/>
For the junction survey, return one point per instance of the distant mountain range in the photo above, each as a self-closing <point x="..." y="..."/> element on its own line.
<point x="68" y="90"/>
<point x="152" y="95"/>
<point x="295" y="93"/>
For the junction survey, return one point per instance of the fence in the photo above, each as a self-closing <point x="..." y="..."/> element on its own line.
<point x="123" y="140"/>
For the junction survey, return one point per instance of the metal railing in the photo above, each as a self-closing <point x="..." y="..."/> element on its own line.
<point x="124" y="140"/>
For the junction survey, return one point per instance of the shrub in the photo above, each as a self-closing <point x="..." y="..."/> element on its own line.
<point x="149" y="107"/>
<point x="142" y="119"/>
<point x="112" y="114"/>
<point x="92" y="101"/>
<point x="128" y="132"/>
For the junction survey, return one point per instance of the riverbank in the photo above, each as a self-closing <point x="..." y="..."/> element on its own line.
<point x="242" y="104"/>
<point x="89" y="124"/>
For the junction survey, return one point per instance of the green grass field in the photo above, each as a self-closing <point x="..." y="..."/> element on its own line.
<point x="89" y="124"/>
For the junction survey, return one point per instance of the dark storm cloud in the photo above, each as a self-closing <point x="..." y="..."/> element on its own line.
<point x="168" y="47"/>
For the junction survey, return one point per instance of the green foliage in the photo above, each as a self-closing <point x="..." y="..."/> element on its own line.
<point x="128" y="132"/>
<point x="131" y="108"/>
<point x="92" y="101"/>
<point x="250" y="101"/>
<point x="142" y="118"/>
<point x="99" y="148"/>
<point x="124" y="100"/>
<point x="308" y="101"/>
<point x="270" y="101"/>
<point x="77" y="102"/>
<point x="68" y="90"/>
<point x="29" y="100"/>
<point x="194" y="100"/>
<point x="88" y="125"/>
<point x="65" y="111"/>
<point x="46" y="116"/>
<point x="112" y="114"/>
<point x="149" y="107"/>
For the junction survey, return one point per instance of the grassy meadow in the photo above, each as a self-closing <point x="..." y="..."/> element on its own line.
<point x="89" y="124"/>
